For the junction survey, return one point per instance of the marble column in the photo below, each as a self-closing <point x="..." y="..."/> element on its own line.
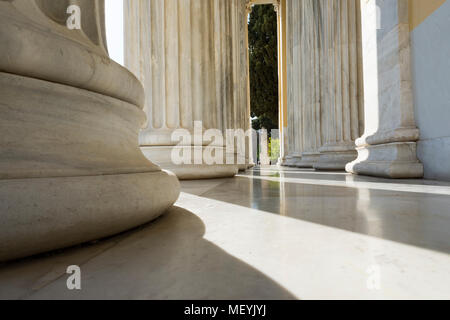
<point x="304" y="101"/>
<point x="250" y="158"/>
<point x="280" y="8"/>
<point x="341" y="75"/>
<point x="264" y="159"/>
<point x="71" y="170"/>
<point x="293" y="58"/>
<point x="309" y="107"/>
<point x="388" y="146"/>
<point x="243" y="11"/>
<point x="191" y="56"/>
<point x="287" y="146"/>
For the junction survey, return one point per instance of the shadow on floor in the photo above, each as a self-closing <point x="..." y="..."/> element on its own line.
<point x="167" y="259"/>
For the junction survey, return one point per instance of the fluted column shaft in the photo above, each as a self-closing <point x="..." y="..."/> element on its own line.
<point x="192" y="58"/>
<point x="303" y="83"/>
<point x="282" y="79"/>
<point x="290" y="146"/>
<point x="342" y="104"/>
<point x="295" y="81"/>
<point x="250" y="158"/>
<point x="324" y="82"/>
<point x="243" y="81"/>
<point x="310" y="107"/>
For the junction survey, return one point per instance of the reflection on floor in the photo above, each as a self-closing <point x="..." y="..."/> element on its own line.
<point x="269" y="233"/>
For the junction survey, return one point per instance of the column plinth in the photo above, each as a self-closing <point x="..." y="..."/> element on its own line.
<point x="335" y="157"/>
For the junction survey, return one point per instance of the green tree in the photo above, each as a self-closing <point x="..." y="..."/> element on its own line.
<point x="263" y="50"/>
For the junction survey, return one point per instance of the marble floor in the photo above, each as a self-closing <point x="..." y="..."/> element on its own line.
<point x="268" y="233"/>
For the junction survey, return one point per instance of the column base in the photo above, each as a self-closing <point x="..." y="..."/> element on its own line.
<point x="244" y="167"/>
<point x="44" y="214"/>
<point x="162" y="156"/>
<point x="293" y="161"/>
<point x="335" y="161"/>
<point x="265" y="162"/>
<point x="335" y="156"/>
<point x="308" y="160"/>
<point x="392" y="160"/>
<point x="287" y="162"/>
<point x="71" y="170"/>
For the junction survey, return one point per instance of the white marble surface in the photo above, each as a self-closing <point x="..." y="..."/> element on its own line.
<point x="291" y="234"/>
<point x="430" y="51"/>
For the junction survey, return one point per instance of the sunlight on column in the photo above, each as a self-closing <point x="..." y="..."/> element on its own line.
<point x="370" y="25"/>
<point x="114" y="29"/>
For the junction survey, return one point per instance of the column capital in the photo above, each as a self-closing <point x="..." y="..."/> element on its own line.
<point x="248" y="6"/>
<point x="276" y="6"/>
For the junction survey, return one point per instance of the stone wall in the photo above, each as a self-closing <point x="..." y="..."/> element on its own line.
<point x="431" y="77"/>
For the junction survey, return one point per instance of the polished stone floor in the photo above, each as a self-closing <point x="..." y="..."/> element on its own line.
<point x="269" y="233"/>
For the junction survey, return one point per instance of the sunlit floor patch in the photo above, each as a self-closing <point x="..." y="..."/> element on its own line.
<point x="313" y="261"/>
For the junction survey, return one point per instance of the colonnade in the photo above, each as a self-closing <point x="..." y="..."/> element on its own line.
<point x="349" y="76"/>
<point x="324" y="82"/>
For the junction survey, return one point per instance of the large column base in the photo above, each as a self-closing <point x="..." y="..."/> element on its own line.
<point x="39" y="215"/>
<point x="248" y="165"/>
<point x="393" y="160"/>
<point x="334" y="161"/>
<point x="71" y="170"/>
<point x="287" y="161"/>
<point x="242" y="167"/>
<point x="336" y="157"/>
<point x="292" y="161"/>
<point x="308" y="160"/>
<point x="281" y="162"/>
<point x="162" y="156"/>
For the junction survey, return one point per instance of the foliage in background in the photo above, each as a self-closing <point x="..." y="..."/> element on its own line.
<point x="263" y="67"/>
<point x="274" y="150"/>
